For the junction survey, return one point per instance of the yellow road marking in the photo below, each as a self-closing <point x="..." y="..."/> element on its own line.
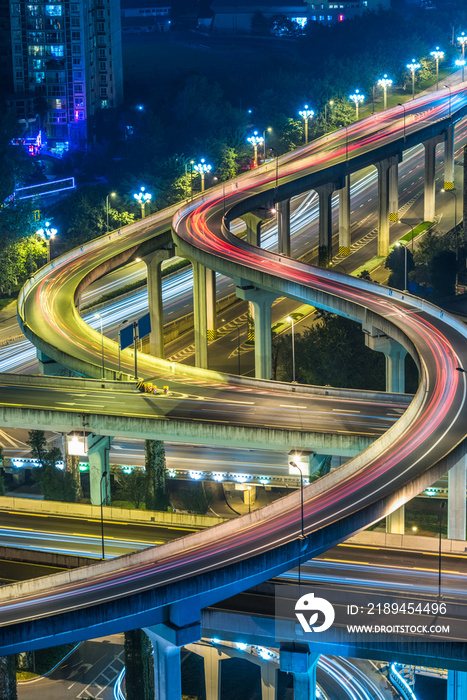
<point x="359" y="546"/>
<point x="19" y="512"/>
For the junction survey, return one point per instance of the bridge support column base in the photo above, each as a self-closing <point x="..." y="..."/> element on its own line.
<point x="457" y="685"/>
<point x="430" y="167"/>
<point x="344" y="218"/>
<point x="384" y="168"/>
<point x="167" y="641"/>
<point x="456" y="498"/>
<point x="98" y="453"/>
<point x="153" y="263"/>
<point x="283" y="227"/>
<point x="262" y="301"/>
<point x="395" y="522"/>
<point x="298" y="660"/>
<point x="395" y="358"/>
<point x="268" y="681"/>
<point x="200" y="315"/>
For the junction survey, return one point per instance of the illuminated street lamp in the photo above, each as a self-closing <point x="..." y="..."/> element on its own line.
<point x="202" y="168"/>
<point x="412" y="68"/>
<point x="112" y="194"/>
<point x="255" y="141"/>
<point x="385" y="82"/>
<point x="142" y="197"/>
<point x="97" y="315"/>
<point x="460" y="63"/>
<point x="48" y="234"/>
<point x="306" y="114"/>
<point x="266" y="131"/>
<point x="462" y="39"/>
<point x="438" y="56"/>
<point x="294" y="465"/>
<point x="330" y="103"/>
<point x="356" y="98"/>
<point x="290" y="320"/>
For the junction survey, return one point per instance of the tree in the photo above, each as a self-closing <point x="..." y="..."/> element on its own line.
<point x="156" y="479"/>
<point x="396" y="262"/>
<point x="132" y="487"/>
<point x="55" y="484"/>
<point x="139" y="669"/>
<point x="333" y="352"/>
<point x="7" y="678"/>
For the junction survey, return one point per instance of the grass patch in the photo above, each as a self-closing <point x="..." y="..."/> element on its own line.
<point x="4" y="302"/>
<point x="25" y="676"/>
<point x="421" y="228"/>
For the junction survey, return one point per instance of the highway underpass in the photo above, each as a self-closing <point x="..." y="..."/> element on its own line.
<point x="393" y="469"/>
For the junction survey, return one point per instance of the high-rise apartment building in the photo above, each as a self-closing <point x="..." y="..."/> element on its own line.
<point x="66" y="64"/>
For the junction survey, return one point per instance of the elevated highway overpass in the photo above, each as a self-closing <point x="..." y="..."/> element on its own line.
<point x="173" y="583"/>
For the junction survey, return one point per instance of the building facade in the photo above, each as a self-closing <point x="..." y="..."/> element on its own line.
<point x="66" y="65"/>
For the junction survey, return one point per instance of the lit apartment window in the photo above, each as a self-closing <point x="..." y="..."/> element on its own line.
<point x="104" y="104"/>
<point x="79" y="101"/>
<point x="53" y="10"/>
<point x="329" y="18"/>
<point x="57" y="51"/>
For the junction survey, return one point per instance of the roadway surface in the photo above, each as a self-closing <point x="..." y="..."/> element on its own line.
<point x="431" y="426"/>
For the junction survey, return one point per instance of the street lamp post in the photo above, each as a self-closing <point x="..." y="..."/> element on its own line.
<point x="295" y="466"/>
<point x="460" y="63"/>
<point x="442" y="505"/>
<point x="306" y="114"/>
<point x="385" y="82"/>
<point x="103" y="497"/>
<point x="356" y="98"/>
<point x="97" y="315"/>
<point x="403" y="107"/>
<point x="438" y="56"/>
<point x="462" y="39"/>
<point x="290" y="320"/>
<point x="457" y="236"/>
<point x="399" y="245"/>
<point x="255" y="141"/>
<point x="406" y="223"/>
<point x="412" y="68"/>
<point x="266" y="131"/>
<point x="202" y="168"/>
<point x="112" y="194"/>
<point x="48" y="234"/>
<point x="142" y="197"/>
<point x="330" y="103"/>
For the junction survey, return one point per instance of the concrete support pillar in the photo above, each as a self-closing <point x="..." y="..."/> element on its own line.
<point x="449" y="158"/>
<point x="268" y="681"/>
<point x="383" y="167"/>
<point x="395" y="358"/>
<point x="325" y="223"/>
<point x="283" y="227"/>
<point x="48" y="367"/>
<point x="156" y="337"/>
<point x="430" y="163"/>
<point x="298" y="660"/>
<point x="200" y="315"/>
<point x="394" y="192"/>
<point x="344" y="218"/>
<point x="457" y="496"/>
<point x="262" y="302"/>
<point x="306" y="461"/>
<point x="167" y="641"/>
<point x="395" y="522"/>
<point x="253" y="228"/>
<point x="98" y="453"/>
<point x="212" y="674"/>
<point x="211" y="309"/>
<point x="457" y="685"/>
